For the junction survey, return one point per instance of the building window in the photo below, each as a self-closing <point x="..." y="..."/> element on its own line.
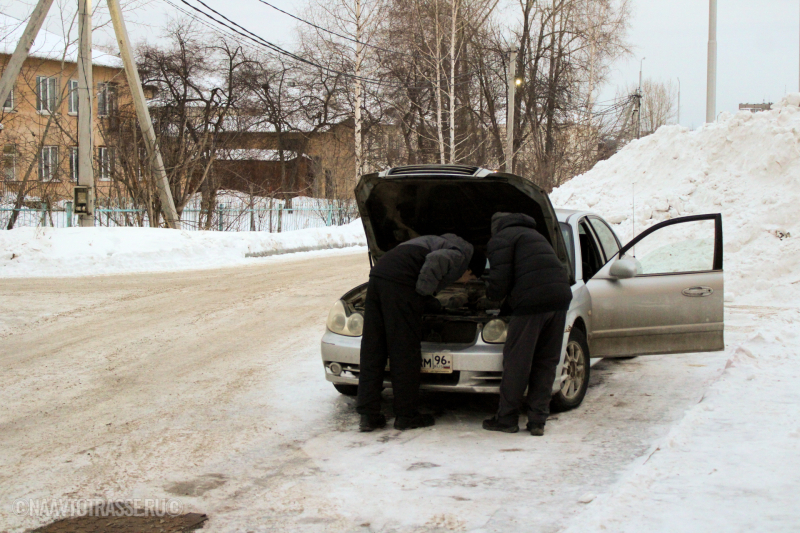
<point x="8" y="105"/>
<point x="10" y="162"/>
<point x="106" y="99"/>
<point x="46" y="94"/>
<point x="105" y="162"/>
<point x="73" y="163"/>
<point x="73" y="97"/>
<point x="48" y="163"/>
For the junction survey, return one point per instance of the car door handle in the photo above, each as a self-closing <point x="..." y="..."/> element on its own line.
<point x="698" y="292"/>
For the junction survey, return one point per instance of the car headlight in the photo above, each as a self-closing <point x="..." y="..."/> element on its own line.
<point x="494" y="332"/>
<point x="344" y="323"/>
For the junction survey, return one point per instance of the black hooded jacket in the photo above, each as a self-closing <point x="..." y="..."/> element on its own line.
<point x="524" y="268"/>
<point x="430" y="263"/>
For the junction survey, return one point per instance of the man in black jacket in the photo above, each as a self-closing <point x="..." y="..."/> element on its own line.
<point x="527" y="273"/>
<point x="398" y="286"/>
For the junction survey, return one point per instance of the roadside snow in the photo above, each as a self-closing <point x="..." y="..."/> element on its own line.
<point x="731" y="464"/>
<point x="60" y="252"/>
<point x="746" y="166"/>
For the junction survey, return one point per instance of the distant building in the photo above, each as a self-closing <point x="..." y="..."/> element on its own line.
<point x="755" y="108"/>
<point x="40" y="116"/>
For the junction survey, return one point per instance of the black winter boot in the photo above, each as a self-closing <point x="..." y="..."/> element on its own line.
<point x="492" y="424"/>
<point x="536" y="429"/>
<point x="419" y="420"/>
<point x="371" y="422"/>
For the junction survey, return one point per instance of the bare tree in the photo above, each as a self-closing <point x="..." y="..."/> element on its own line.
<point x="199" y="86"/>
<point x="355" y="25"/>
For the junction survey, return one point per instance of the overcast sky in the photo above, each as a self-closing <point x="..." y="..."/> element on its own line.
<point x="759" y="44"/>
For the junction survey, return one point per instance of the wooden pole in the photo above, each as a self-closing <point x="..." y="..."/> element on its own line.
<point x="23" y="48"/>
<point x="143" y="115"/>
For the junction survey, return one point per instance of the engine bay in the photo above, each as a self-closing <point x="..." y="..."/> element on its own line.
<point x="452" y="316"/>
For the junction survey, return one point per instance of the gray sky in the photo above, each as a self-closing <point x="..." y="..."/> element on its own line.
<point x="759" y="44"/>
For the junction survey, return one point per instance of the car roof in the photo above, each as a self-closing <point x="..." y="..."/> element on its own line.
<point x="565" y="214"/>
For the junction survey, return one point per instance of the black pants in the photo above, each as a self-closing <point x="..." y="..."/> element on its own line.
<point x="530" y="357"/>
<point x="393" y="330"/>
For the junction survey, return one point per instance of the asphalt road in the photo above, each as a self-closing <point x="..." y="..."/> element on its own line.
<point x="206" y="388"/>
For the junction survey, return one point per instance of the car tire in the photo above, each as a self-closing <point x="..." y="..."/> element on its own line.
<point x="577" y="370"/>
<point x="347" y="390"/>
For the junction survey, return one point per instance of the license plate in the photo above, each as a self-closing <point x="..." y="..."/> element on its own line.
<point x="437" y="363"/>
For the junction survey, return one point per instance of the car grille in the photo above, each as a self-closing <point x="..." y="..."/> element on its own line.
<point x="426" y="379"/>
<point x="450" y="332"/>
<point x="488" y="378"/>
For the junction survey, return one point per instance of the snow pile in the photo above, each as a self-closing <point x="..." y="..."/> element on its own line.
<point x="731" y="463"/>
<point x="746" y="166"/>
<point x="88" y="251"/>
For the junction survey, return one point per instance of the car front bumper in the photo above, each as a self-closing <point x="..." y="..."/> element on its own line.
<point x="477" y="367"/>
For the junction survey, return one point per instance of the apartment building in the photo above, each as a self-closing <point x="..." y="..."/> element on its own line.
<point x="40" y="116"/>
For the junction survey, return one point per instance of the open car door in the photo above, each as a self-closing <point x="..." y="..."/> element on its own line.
<point x="663" y="292"/>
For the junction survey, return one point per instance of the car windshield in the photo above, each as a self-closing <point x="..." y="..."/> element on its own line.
<point x="566" y="232"/>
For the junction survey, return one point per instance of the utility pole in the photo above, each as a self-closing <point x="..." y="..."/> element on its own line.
<point x="512" y="90"/>
<point x="23" y="47"/>
<point x="85" y="108"/>
<point x="679" y="101"/>
<point x="143" y="115"/>
<point x="711" y="96"/>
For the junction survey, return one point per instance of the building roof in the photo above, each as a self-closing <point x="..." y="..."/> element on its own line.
<point x="48" y="45"/>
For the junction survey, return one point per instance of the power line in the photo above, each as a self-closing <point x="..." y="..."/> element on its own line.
<point x="326" y="30"/>
<point x="277" y="49"/>
<point x="467" y="76"/>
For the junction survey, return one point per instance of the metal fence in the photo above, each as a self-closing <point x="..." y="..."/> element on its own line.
<point x="222" y="218"/>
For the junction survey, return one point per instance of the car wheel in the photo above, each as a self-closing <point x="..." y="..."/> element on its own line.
<point x="347" y="390"/>
<point x="574" y="373"/>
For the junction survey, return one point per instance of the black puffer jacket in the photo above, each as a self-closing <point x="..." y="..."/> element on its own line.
<point x="430" y="263"/>
<point x="524" y="267"/>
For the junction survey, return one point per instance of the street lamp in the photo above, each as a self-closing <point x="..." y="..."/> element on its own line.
<point x="641" y="64"/>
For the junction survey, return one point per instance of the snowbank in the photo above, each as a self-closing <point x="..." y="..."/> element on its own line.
<point x="731" y="464"/>
<point x="89" y="251"/>
<point x="746" y="166"/>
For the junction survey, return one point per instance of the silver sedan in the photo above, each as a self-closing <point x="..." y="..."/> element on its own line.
<point x="661" y="293"/>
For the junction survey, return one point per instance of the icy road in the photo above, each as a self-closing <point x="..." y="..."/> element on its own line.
<point x="207" y="387"/>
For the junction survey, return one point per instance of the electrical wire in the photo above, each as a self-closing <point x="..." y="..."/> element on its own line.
<point x="467" y="76"/>
<point x="326" y="30"/>
<point x="247" y="34"/>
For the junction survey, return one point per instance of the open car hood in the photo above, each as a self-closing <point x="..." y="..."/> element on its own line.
<point x="406" y="202"/>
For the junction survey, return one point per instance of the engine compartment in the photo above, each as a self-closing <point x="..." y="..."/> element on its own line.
<point x="451" y="317"/>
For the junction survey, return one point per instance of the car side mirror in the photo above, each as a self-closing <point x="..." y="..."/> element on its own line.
<point x="623" y="269"/>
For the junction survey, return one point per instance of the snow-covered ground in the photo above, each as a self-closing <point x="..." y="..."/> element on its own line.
<point x="58" y="252"/>
<point x="207" y="386"/>
<point x="732" y="463"/>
